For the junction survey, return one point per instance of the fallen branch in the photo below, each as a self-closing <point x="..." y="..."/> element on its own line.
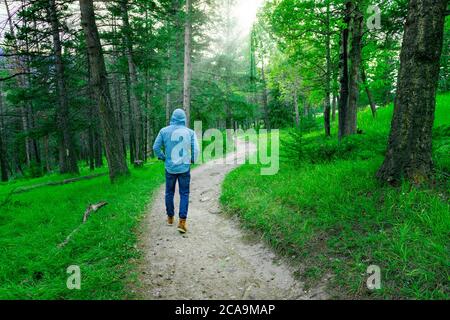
<point x="93" y="208"/>
<point x="90" y="209"/>
<point x="58" y="183"/>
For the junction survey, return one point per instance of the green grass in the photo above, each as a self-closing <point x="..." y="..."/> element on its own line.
<point x="333" y="217"/>
<point x="32" y="224"/>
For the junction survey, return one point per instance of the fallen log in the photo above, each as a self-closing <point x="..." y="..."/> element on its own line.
<point x="58" y="183"/>
<point x="90" y="209"/>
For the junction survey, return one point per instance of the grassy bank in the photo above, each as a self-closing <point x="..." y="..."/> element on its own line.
<point x="326" y="210"/>
<point x="33" y="223"/>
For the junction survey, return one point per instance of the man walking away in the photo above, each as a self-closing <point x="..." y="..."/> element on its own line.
<point x="177" y="146"/>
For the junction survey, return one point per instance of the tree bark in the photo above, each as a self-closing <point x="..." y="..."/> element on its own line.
<point x="296" y="109"/>
<point x="343" y="77"/>
<point x="47" y="155"/>
<point x="187" y="62"/>
<point x="3" y="159"/>
<point x="111" y="132"/>
<point x="265" y="97"/>
<point x="98" y="151"/>
<point x="333" y="108"/>
<point x="409" y="152"/>
<point x="68" y="158"/>
<point x="373" y="107"/>
<point x="91" y="148"/>
<point x="136" y="110"/>
<point x="354" y="71"/>
<point x="131" y="135"/>
<point x="168" y="110"/>
<point x="327" y="111"/>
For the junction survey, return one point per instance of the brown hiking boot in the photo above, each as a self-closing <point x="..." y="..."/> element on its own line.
<point x="182" y="226"/>
<point x="170" y="221"/>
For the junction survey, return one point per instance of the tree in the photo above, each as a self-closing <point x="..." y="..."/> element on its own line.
<point x="350" y="63"/>
<point x="67" y="155"/>
<point x="354" y="70"/>
<point x="99" y="81"/>
<point x="327" y="111"/>
<point x="3" y="157"/>
<point x="187" y="62"/>
<point x="409" y="152"/>
<point x="133" y="81"/>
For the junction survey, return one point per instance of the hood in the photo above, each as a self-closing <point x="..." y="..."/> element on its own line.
<point x="178" y="118"/>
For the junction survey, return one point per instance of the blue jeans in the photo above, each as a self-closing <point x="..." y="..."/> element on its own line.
<point x="184" y="182"/>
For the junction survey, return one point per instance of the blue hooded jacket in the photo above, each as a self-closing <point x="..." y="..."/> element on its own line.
<point x="180" y="145"/>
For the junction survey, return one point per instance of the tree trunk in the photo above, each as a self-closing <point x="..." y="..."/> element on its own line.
<point x="168" y="110"/>
<point x="131" y="135"/>
<point x="265" y="97"/>
<point x="111" y="132"/>
<point x="33" y="143"/>
<point x="327" y="111"/>
<point x="297" y="112"/>
<point x="354" y="71"/>
<point x="98" y="151"/>
<point x="187" y="62"/>
<point x="343" y="77"/>
<point x="410" y="143"/>
<point x="68" y="159"/>
<point x="333" y="108"/>
<point x="47" y="155"/>
<point x="373" y="107"/>
<point x="3" y="154"/>
<point x="306" y="109"/>
<point x="137" y="114"/>
<point x="21" y="82"/>
<point x="3" y="159"/>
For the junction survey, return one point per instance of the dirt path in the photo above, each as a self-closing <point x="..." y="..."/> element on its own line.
<point x="216" y="259"/>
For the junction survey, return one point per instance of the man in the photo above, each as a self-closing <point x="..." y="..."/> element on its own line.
<point x="180" y="151"/>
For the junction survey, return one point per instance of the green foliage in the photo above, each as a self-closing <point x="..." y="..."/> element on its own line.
<point x="318" y="150"/>
<point x="332" y="216"/>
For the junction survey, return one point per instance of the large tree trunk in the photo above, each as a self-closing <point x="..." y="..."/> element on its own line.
<point x="327" y="111"/>
<point x="68" y="159"/>
<point x="373" y="107"/>
<point x="354" y="71"/>
<point x="187" y="62"/>
<point x="136" y="110"/>
<point x="343" y="77"/>
<point x="111" y="131"/>
<point x="410" y="142"/>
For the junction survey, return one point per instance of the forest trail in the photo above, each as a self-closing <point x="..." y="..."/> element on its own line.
<point x="216" y="259"/>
